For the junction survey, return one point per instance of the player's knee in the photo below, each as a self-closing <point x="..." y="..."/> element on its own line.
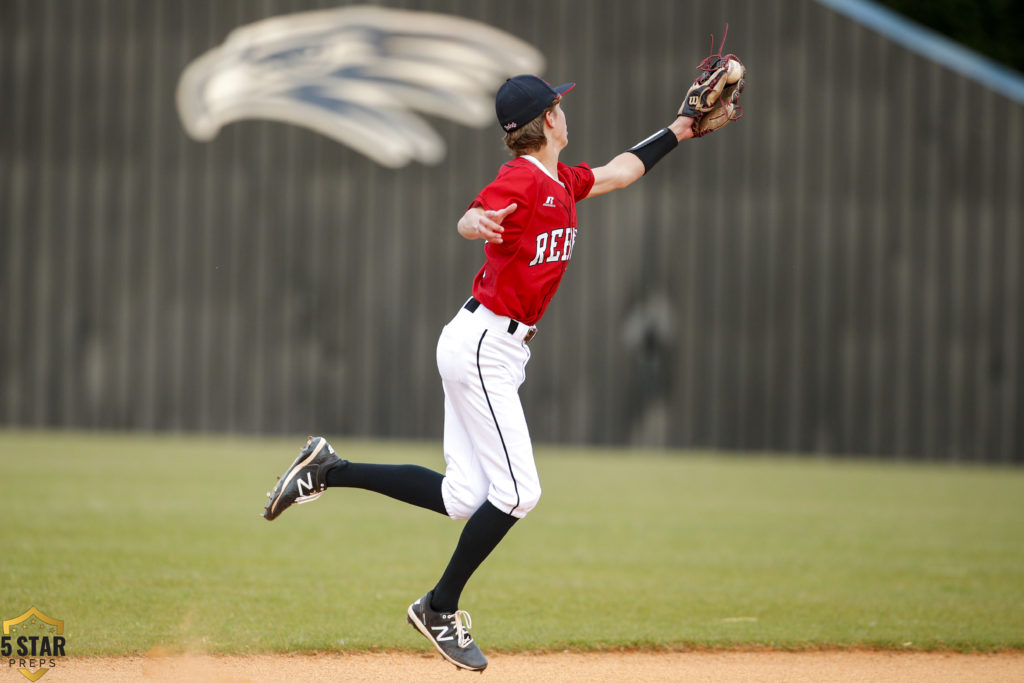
<point x="527" y="502"/>
<point x="520" y="503"/>
<point x="461" y="510"/>
<point x="460" y="502"/>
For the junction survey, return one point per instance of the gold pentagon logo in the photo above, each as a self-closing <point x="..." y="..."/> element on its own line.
<point x="32" y="642"/>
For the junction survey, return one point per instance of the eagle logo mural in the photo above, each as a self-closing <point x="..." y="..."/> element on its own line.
<point x="360" y="75"/>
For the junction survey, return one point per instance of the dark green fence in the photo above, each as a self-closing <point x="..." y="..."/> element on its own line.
<point x="838" y="272"/>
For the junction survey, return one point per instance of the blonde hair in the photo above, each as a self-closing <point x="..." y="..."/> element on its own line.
<point x="529" y="138"/>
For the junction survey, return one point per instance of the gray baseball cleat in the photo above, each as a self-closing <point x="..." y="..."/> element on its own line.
<point x="305" y="480"/>
<point x="449" y="632"/>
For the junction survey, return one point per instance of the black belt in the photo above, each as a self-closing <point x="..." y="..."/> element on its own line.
<point x="513" y="325"/>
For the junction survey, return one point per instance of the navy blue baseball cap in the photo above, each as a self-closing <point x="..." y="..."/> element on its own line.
<point x="523" y="98"/>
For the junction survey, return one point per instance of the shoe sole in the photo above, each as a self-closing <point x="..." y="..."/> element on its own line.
<point x="422" y="628"/>
<point x="291" y="474"/>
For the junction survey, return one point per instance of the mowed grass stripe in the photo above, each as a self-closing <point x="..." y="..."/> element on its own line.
<point x="140" y="541"/>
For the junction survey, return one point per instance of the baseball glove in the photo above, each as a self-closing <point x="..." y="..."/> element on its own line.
<point x="726" y="108"/>
<point x="712" y="100"/>
<point x="705" y="91"/>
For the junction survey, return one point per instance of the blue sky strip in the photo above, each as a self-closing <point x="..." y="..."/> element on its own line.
<point x="933" y="45"/>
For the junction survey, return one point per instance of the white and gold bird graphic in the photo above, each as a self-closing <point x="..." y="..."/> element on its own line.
<point x="361" y="75"/>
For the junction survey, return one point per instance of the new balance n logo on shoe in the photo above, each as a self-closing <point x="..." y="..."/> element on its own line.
<point x="442" y="633"/>
<point x="305" y="486"/>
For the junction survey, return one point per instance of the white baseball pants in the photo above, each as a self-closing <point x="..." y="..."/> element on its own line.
<point x="487" y="444"/>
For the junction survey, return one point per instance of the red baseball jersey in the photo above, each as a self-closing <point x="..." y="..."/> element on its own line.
<point x="522" y="273"/>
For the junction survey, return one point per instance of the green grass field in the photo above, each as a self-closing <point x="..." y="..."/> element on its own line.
<point x="144" y="541"/>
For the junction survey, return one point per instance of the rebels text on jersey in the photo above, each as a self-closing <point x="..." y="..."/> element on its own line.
<point x="522" y="273"/>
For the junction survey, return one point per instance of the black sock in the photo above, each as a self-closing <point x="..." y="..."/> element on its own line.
<point x="408" y="483"/>
<point x="482" y="533"/>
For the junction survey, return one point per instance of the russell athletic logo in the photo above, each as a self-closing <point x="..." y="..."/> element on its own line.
<point x="357" y="74"/>
<point x="32" y="643"/>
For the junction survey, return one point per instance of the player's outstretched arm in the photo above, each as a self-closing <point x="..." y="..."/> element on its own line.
<point x="631" y="165"/>
<point x="478" y="224"/>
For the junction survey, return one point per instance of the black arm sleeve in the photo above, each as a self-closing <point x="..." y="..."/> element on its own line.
<point x="651" y="150"/>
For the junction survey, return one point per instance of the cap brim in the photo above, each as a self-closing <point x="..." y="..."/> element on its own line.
<point x="564" y="88"/>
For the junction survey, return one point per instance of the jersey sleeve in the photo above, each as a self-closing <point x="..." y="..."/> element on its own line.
<point x="512" y="185"/>
<point x="579" y="180"/>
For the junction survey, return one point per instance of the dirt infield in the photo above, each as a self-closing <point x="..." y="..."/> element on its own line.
<point x="819" y="667"/>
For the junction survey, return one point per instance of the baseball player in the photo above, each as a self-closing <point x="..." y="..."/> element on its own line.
<point x="527" y="217"/>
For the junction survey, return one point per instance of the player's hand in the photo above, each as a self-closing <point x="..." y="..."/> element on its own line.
<point x="682" y="127"/>
<point x="478" y="224"/>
